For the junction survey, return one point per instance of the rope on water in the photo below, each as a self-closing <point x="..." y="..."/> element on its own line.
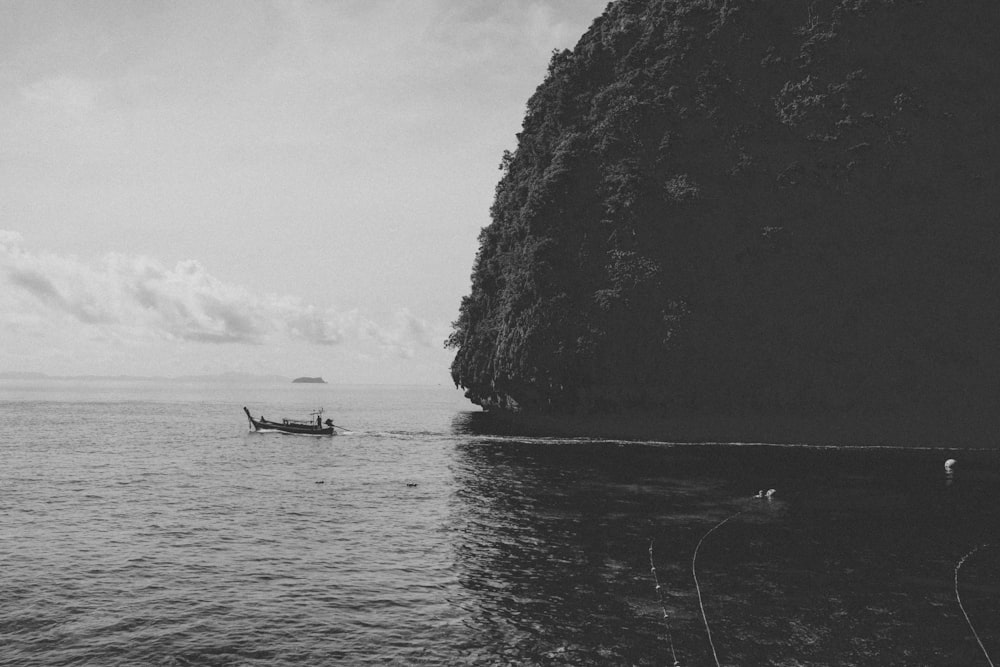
<point x="663" y="607"/>
<point x="960" y="606"/>
<point x="694" y="573"/>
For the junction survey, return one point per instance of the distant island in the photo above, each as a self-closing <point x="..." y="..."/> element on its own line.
<point x="317" y="380"/>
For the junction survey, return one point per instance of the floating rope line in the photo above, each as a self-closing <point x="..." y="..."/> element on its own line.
<point x="694" y="573"/>
<point x="960" y="606"/>
<point x="663" y="607"/>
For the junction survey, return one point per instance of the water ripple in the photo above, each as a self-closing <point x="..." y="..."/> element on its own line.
<point x="127" y="539"/>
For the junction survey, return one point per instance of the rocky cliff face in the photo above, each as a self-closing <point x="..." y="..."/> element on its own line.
<point x="750" y="206"/>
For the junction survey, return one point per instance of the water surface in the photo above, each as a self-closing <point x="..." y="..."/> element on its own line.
<point x="141" y="523"/>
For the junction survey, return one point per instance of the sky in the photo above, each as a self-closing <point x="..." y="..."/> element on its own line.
<point x="291" y="187"/>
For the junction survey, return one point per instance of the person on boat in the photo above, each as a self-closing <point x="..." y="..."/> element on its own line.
<point x="319" y="422"/>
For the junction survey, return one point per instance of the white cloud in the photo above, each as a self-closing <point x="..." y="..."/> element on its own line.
<point x="406" y="335"/>
<point x="138" y="298"/>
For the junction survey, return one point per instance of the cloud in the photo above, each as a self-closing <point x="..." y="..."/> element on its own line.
<point x="405" y="336"/>
<point x="46" y="292"/>
<point x="183" y="302"/>
<point x="415" y="330"/>
<point x="36" y="284"/>
<point x="134" y="298"/>
<point x="309" y="324"/>
<point x="143" y="297"/>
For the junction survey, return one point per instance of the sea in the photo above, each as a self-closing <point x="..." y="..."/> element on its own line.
<point x="143" y="523"/>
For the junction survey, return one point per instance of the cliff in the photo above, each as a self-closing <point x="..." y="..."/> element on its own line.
<point x="750" y="207"/>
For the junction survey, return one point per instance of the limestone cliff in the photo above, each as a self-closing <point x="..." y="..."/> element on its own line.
<point x="750" y="206"/>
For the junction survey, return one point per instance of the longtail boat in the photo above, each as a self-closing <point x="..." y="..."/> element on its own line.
<point x="298" y="427"/>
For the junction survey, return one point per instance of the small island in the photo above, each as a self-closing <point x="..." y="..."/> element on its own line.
<point x="317" y="380"/>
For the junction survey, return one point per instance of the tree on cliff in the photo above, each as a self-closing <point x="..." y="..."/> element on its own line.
<point x="749" y="205"/>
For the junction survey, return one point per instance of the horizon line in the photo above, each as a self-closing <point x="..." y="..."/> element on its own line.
<point x="124" y="377"/>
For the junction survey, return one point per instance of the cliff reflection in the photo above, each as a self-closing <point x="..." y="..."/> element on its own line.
<point x="551" y="538"/>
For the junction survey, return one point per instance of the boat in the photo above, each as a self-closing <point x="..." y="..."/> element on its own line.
<point x="298" y="427"/>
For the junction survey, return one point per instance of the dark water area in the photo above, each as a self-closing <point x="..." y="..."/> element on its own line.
<point x="144" y="524"/>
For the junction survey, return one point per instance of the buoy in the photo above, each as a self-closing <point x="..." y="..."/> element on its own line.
<point x="949" y="464"/>
<point x="770" y="492"/>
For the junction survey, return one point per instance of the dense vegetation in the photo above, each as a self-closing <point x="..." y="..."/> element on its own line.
<point x="761" y="206"/>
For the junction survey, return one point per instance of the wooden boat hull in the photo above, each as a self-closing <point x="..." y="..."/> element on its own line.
<point x="297" y="428"/>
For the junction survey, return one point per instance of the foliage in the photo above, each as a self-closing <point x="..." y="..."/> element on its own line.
<point x="748" y="205"/>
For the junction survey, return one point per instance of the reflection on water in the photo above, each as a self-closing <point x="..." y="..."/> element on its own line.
<point x="154" y="529"/>
<point x="542" y="556"/>
<point x="851" y="562"/>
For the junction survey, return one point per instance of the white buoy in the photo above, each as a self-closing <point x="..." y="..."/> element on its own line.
<point x="949" y="464"/>
<point x="770" y="492"/>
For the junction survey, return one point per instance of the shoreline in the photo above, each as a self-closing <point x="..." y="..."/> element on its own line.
<point x="895" y="431"/>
